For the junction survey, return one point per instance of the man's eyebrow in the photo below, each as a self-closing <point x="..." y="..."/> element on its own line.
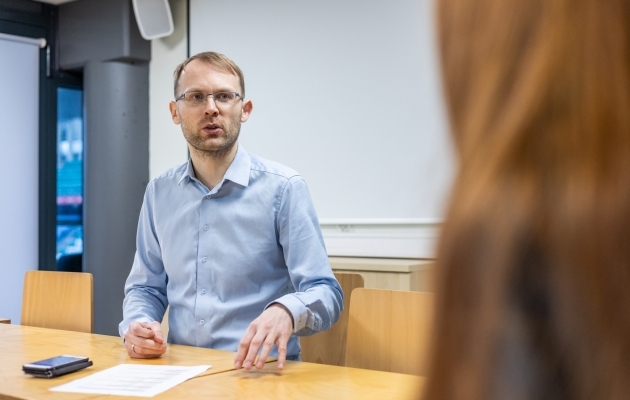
<point x="221" y="89"/>
<point x="193" y="89"/>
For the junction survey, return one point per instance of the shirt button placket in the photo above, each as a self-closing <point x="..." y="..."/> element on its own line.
<point x="204" y="259"/>
<point x="205" y="228"/>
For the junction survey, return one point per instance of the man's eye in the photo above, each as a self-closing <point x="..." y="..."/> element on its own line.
<point x="223" y="96"/>
<point x="196" y="96"/>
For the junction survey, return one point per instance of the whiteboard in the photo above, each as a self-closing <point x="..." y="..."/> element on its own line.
<point x="347" y="93"/>
<point x="19" y="182"/>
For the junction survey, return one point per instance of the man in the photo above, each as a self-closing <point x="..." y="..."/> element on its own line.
<point x="230" y="241"/>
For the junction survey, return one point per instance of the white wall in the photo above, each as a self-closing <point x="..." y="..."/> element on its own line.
<point x="379" y="170"/>
<point x="167" y="146"/>
<point x="348" y="93"/>
<point x="19" y="181"/>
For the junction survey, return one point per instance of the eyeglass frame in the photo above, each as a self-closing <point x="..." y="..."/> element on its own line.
<point x="183" y="95"/>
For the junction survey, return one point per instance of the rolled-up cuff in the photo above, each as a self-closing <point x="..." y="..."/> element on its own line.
<point x="298" y="310"/>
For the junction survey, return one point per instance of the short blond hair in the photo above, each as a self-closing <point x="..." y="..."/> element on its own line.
<point x="217" y="60"/>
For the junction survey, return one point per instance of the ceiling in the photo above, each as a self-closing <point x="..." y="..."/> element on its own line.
<point x="55" y="2"/>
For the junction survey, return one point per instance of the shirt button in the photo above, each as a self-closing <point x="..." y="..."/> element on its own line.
<point x="204" y="259"/>
<point x="202" y="322"/>
<point x="205" y="227"/>
<point x="208" y="197"/>
<point x="203" y="291"/>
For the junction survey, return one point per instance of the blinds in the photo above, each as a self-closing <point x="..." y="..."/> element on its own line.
<point x="19" y="142"/>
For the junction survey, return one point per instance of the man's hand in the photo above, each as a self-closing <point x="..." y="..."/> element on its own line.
<point x="145" y="340"/>
<point x="274" y="326"/>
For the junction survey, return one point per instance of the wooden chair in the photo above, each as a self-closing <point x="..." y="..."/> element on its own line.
<point x="58" y="300"/>
<point x="165" y="323"/>
<point x="329" y="347"/>
<point x="389" y="330"/>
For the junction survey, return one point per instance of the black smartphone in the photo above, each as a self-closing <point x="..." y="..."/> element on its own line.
<point x="55" y="366"/>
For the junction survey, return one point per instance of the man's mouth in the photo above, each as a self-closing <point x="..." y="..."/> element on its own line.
<point x="212" y="128"/>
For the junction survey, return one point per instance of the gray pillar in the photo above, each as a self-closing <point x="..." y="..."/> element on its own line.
<point x="102" y="38"/>
<point x="116" y="174"/>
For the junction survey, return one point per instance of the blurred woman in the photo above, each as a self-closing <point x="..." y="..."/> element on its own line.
<point x="534" y="261"/>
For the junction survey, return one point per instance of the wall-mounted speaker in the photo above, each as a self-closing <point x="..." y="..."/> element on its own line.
<point x="154" y="18"/>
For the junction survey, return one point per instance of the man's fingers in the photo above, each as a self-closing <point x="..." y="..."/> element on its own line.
<point x="145" y="340"/>
<point x="141" y="329"/>
<point x="146" y="335"/>
<point x="156" y="327"/>
<point x="147" y="343"/>
<point x="254" y="346"/>
<point x="266" y="348"/>
<point x="282" y="351"/>
<point x="136" y="351"/>
<point x="273" y="326"/>
<point x="243" y="347"/>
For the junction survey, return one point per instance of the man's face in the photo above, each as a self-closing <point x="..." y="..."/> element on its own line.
<point x="211" y="128"/>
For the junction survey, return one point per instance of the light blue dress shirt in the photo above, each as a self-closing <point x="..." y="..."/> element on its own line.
<point x="219" y="257"/>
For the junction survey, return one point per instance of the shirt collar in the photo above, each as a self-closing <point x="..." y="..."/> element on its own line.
<point x="238" y="171"/>
<point x="188" y="173"/>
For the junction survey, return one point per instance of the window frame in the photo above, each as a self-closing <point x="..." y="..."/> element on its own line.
<point x="38" y="20"/>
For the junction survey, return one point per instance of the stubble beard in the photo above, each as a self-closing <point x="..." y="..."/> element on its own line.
<point x="212" y="150"/>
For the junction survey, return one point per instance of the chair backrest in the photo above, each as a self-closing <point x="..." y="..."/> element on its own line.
<point x="329" y="347"/>
<point x="58" y="300"/>
<point x="389" y="330"/>
<point x="164" y="324"/>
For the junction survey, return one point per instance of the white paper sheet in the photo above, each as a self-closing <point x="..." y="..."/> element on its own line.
<point x="133" y="380"/>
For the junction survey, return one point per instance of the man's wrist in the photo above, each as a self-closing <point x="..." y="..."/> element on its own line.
<point x="286" y="310"/>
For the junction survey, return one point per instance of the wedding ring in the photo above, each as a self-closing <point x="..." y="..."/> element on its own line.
<point x="133" y="348"/>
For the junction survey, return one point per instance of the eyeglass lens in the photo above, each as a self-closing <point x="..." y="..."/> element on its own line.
<point x="198" y="98"/>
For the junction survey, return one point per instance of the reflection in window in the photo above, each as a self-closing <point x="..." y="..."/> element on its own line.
<point x="69" y="179"/>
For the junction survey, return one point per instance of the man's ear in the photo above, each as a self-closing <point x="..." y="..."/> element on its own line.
<point x="174" y="112"/>
<point x="248" y="106"/>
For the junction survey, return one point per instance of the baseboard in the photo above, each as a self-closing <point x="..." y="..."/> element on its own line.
<point x="390" y="238"/>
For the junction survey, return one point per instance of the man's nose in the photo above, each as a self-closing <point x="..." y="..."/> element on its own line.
<point x="210" y="105"/>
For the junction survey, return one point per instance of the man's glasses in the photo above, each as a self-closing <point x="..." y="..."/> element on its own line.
<point x="200" y="98"/>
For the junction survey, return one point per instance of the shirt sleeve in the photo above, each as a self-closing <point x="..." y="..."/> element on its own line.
<point x="145" y="289"/>
<point x="318" y="300"/>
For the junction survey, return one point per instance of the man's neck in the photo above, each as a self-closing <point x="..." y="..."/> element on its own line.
<point x="211" y="170"/>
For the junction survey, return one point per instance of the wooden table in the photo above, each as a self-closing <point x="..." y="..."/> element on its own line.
<point x="302" y="380"/>
<point x="20" y="344"/>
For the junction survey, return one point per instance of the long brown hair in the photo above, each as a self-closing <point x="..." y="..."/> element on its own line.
<point x="533" y="294"/>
